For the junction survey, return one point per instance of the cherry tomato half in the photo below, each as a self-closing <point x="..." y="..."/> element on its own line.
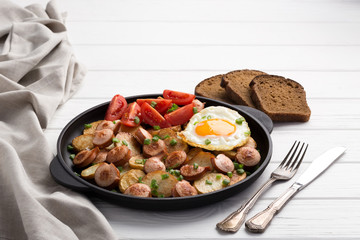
<point x="131" y="116"/>
<point x="181" y="115"/>
<point x="152" y="117"/>
<point x="179" y="98"/>
<point x="116" y="108"/>
<point x="161" y="105"/>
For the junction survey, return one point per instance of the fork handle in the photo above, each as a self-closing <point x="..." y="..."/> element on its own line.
<point x="233" y="222"/>
<point x="260" y="221"/>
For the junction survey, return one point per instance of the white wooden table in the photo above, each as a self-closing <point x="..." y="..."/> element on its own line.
<point x="144" y="46"/>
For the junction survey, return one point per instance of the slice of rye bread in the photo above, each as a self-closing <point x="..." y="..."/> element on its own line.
<point x="210" y="88"/>
<point x="236" y="85"/>
<point x="281" y="98"/>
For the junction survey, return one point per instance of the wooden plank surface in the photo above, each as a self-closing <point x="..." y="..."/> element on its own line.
<point x="144" y="46"/>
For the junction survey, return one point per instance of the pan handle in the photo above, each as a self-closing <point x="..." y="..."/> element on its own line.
<point x="259" y="115"/>
<point x="61" y="176"/>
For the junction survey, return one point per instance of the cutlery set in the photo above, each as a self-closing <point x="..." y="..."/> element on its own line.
<point x="285" y="171"/>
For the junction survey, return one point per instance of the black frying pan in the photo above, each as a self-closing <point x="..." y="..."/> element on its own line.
<point x="62" y="168"/>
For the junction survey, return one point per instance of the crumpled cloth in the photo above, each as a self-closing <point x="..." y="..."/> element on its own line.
<point x="38" y="72"/>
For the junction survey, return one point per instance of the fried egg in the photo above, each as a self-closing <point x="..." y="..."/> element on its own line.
<point x="216" y="128"/>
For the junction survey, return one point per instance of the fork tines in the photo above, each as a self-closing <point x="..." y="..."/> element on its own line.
<point x="289" y="163"/>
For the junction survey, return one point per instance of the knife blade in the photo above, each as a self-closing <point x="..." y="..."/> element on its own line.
<point x="260" y="221"/>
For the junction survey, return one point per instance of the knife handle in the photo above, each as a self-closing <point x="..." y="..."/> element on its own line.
<point x="260" y="221"/>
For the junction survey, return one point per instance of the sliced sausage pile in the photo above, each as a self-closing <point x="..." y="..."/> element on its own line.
<point x="155" y="162"/>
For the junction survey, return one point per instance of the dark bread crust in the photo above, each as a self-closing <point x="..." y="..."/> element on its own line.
<point x="210" y="88"/>
<point x="284" y="100"/>
<point x="236" y="84"/>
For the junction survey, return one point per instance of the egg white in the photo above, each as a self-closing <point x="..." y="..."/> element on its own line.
<point x="219" y="143"/>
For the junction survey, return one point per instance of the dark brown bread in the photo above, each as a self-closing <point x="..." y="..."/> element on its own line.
<point x="281" y="98"/>
<point x="236" y="85"/>
<point x="210" y="88"/>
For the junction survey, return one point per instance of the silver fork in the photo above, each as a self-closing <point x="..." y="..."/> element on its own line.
<point x="285" y="171"/>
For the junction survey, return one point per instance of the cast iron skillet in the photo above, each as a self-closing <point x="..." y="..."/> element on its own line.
<point x="62" y="168"/>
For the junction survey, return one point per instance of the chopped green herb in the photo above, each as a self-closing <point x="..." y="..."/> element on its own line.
<point x="165" y="137"/>
<point x="136" y="119"/>
<point x="196" y="166"/>
<point x="240" y="171"/>
<point x="172" y="108"/>
<point x="87" y="126"/>
<point x="209" y="117"/>
<point x="226" y="182"/>
<point x="180" y="178"/>
<point x="240" y="120"/>
<point x="195" y="110"/>
<point x="154" y="184"/>
<point x="115" y="140"/>
<point x="155" y="138"/>
<point x="153" y="104"/>
<point x="203" y="117"/>
<point x="72" y="156"/>
<point x="156" y="127"/>
<point x="125" y="143"/>
<point x="114" y="122"/>
<point x="161" y="196"/>
<point x="77" y="174"/>
<point x="70" y="147"/>
<point x="236" y="165"/>
<point x="140" y="179"/>
<point x="247" y="133"/>
<point x="154" y="192"/>
<point x="120" y="168"/>
<point x="230" y="174"/>
<point x="140" y="161"/>
<point x="218" y="177"/>
<point x="177" y="172"/>
<point x="208" y="182"/>
<point x="207" y="141"/>
<point x="164" y="176"/>
<point x="173" y="142"/>
<point x="196" y="122"/>
<point x="114" y="190"/>
<point x="147" y="141"/>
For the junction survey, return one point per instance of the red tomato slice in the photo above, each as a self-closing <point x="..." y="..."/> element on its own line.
<point x="152" y="117"/>
<point x="162" y="105"/>
<point x="181" y="115"/>
<point x="179" y="98"/>
<point x="116" y="108"/>
<point x="129" y="117"/>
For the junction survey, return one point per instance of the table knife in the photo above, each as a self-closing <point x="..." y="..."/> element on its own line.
<point x="260" y="221"/>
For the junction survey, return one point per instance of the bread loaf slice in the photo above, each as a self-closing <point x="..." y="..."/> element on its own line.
<point x="236" y="85"/>
<point x="210" y="88"/>
<point x="281" y="98"/>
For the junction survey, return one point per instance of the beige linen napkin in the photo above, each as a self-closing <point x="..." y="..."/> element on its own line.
<point x="38" y="72"/>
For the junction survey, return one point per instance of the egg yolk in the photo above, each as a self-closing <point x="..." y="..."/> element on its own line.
<point x="218" y="127"/>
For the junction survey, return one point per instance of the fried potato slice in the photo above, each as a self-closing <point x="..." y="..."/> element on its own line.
<point x="89" y="173"/>
<point x="237" y="177"/>
<point x="167" y="134"/>
<point x="137" y="162"/>
<point x="93" y="127"/>
<point x="161" y="183"/>
<point x="83" y="142"/>
<point x="193" y="152"/>
<point x="211" y="182"/>
<point x="130" y="178"/>
<point x="230" y="154"/>
<point x="202" y="159"/>
<point x="130" y="141"/>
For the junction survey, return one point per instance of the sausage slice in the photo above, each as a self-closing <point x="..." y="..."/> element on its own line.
<point x="85" y="157"/>
<point x="248" y="156"/>
<point x="175" y="159"/>
<point x="222" y="163"/>
<point x="101" y="157"/>
<point x="119" y="156"/>
<point x="107" y="176"/>
<point x="183" y="189"/>
<point x="154" y="164"/>
<point x="190" y="172"/>
<point x="141" y="134"/>
<point x="103" y="138"/>
<point x="154" y="148"/>
<point x="138" y="190"/>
